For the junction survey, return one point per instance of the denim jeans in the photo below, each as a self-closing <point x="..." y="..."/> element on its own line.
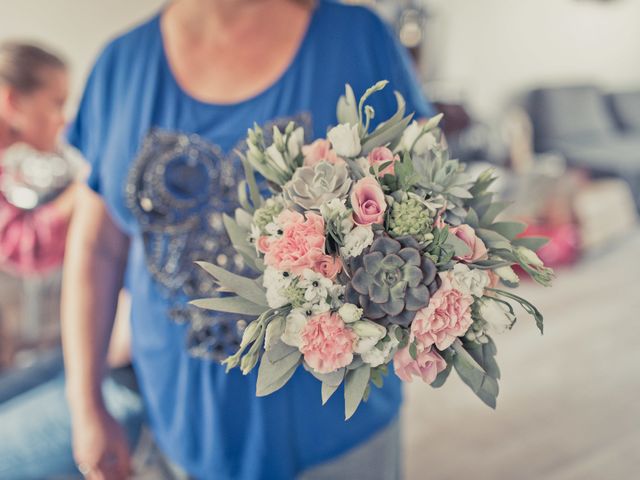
<point x="35" y="427"/>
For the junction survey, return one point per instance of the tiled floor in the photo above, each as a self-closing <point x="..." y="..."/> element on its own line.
<point x="569" y="407"/>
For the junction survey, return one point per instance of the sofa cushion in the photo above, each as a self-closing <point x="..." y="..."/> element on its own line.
<point x="626" y="110"/>
<point x="569" y="113"/>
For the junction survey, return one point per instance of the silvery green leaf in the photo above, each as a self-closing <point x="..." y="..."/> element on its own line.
<point x="242" y="286"/>
<point x="347" y="109"/>
<point x="460" y="192"/>
<point x="493" y="211"/>
<point x="355" y="384"/>
<point x="442" y="376"/>
<point x="273" y="375"/>
<point x="230" y="305"/>
<point x="328" y="391"/>
<point x="485" y="355"/>
<point x="493" y="239"/>
<point x="472" y="219"/>
<point x="460" y="248"/>
<point x="333" y="378"/>
<point x="388" y="134"/>
<point x="532" y="243"/>
<point x="484" y="386"/>
<point x="279" y="350"/>
<point x="509" y="230"/>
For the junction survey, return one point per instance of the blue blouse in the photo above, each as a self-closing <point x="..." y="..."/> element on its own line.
<point x="163" y="162"/>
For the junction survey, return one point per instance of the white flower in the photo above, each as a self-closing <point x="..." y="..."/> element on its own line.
<point x="473" y="281"/>
<point x="295" y="142"/>
<point x="364" y="165"/>
<point x="317" y="308"/>
<point x="276" y="282"/>
<point x="497" y="316"/>
<point x="356" y="241"/>
<point x="333" y="208"/>
<point x="276" y="297"/>
<point x="507" y="274"/>
<point x="273" y="229"/>
<point x="529" y="256"/>
<point x="411" y="134"/>
<point x="345" y="140"/>
<point x="383" y="351"/>
<point x="275" y="156"/>
<point x="369" y="334"/>
<point x="316" y="286"/>
<point x="350" y="313"/>
<point x="294" y="323"/>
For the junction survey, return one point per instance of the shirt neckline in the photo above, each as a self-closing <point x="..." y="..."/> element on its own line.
<point x="295" y="60"/>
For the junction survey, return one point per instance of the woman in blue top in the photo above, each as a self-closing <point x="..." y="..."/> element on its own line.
<point x="164" y="108"/>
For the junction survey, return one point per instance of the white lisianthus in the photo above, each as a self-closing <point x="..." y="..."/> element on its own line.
<point x="316" y="308"/>
<point x="529" y="256"/>
<point x="333" y="209"/>
<point x="345" y="140"/>
<point x="499" y="319"/>
<point x="295" y="142"/>
<point x="507" y="274"/>
<point x="382" y="352"/>
<point x="474" y="281"/>
<point x="369" y="334"/>
<point x="294" y="323"/>
<point x="276" y="158"/>
<point x="411" y="134"/>
<point x="276" y="282"/>
<point x="316" y="286"/>
<point x="276" y="297"/>
<point x="356" y="241"/>
<point x="350" y="313"/>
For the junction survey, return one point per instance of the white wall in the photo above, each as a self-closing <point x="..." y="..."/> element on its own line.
<point x="76" y="28"/>
<point x="492" y="49"/>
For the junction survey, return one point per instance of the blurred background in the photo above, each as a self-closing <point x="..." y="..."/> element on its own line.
<point x="547" y="92"/>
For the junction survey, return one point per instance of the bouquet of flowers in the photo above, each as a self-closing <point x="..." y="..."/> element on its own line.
<point x="372" y="247"/>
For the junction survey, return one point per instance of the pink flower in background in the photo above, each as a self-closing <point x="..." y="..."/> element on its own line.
<point x="367" y="201"/>
<point x="264" y="242"/>
<point x="301" y="244"/>
<point x="328" y="266"/>
<point x="468" y="236"/>
<point x="326" y="343"/>
<point x="427" y="365"/>
<point x="447" y="316"/>
<point x="320" y="151"/>
<point x="381" y="155"/>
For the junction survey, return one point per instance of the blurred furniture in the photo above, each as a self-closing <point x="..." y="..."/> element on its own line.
<point x="592" y="131"/>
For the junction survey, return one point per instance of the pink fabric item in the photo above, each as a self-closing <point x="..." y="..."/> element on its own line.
<point x="31" y="242"/>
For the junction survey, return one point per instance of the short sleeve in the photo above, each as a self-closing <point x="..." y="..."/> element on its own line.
<point x="89" y="128"/>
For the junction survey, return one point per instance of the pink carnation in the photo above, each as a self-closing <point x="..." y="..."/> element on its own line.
<point x="328" y="266"/>
<point x="301" y="244"/>
<point x="320" y="151"/>
<point x="447" y="316"/>
<point x="368" y="202"/>
<point x="475" y="244"/>
<point x="381" y="155"/>
<point x="327" y="344"/>
<point x="427" y="364"/>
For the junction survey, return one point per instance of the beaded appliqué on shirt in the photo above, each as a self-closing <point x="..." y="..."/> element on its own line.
<point x="178" y="188"/>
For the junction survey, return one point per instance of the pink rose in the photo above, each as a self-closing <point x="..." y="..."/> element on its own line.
<point x="301" y="243"/>
<point x="367" y="201"/>
<point x="264" y="242"/>
<point x="447" y="316"/>
<point x="381" y="155"/>
<point x="427" y="365"/>
<point x="468" y="236"/>
<point x="326" y="343"/>
<point x="328" y="266"/>
<point x="320" y="151"/>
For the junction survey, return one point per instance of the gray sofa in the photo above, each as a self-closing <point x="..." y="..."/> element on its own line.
<point x="598" y="132"/>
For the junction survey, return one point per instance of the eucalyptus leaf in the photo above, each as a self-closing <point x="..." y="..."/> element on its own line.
<point x="328" y="391"/>
<point x="242" y="286"/>
<point x="493" y="211"/>
<point x="471" y="373"/>
<point x="509" y="230"/>
<point x="274" y="375"/>
<point x="493" y="239"/>
<point x="532" y="243"/>
<point x="355" y="384"/>
<point x="472" y="219"/>
<point x="237" y="305"/>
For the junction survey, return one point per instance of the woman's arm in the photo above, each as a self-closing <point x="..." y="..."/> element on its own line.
<point x="94" y="265"/>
